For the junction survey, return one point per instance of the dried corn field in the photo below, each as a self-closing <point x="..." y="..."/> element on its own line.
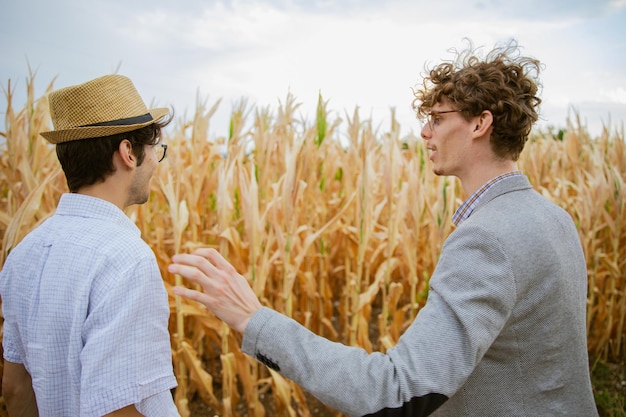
<point x="341" y="235"/>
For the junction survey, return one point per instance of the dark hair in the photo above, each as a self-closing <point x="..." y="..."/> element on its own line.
<point x="89" y="161"/>
<point x="504" y="82"/>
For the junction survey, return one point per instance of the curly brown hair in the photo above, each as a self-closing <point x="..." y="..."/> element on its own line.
<point x="504" y="83"/>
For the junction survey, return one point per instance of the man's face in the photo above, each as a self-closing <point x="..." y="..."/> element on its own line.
<point x="448" y="139"/>
<point x="140" y="186"/>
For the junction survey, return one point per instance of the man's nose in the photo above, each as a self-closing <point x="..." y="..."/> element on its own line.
<point x="426" y="133"/>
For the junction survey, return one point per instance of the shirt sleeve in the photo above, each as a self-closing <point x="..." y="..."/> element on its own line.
<point x="471" y="296"/>
<point x="10" y="350"/>
<point x="127" y="353"/>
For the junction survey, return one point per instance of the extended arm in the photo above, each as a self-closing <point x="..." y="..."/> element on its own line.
<point x="466" y="309"/>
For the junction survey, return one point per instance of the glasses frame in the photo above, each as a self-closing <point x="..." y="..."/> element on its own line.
<point x="429" y="116"/>
<point x="164" y="146"/>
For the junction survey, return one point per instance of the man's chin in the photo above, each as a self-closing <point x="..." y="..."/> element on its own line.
<point x="138" y="200"/>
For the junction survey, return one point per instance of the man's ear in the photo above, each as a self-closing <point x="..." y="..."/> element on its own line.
<point x="127" y="156"/>
<point x="483" y="123"/>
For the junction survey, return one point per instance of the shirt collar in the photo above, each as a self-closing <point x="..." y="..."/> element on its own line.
<point x="467" y="208"/>
<point x="80" y="205"/>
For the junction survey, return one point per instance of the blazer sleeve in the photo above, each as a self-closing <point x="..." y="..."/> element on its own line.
<point x="471" y="296"/>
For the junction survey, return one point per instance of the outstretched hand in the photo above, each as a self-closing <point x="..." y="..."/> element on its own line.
<point x="225" y="292"/>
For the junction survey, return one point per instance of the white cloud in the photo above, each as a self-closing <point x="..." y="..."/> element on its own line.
<point x="366" y="52"/>
<point x="616" y="95"/>
<point x="618" y="4"/>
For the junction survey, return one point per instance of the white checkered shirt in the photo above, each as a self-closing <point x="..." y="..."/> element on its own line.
<point x="86" y="312"/>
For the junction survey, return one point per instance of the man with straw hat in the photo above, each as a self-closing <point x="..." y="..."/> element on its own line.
<point x="85" y="309"/>
<point x="503" y="330"/>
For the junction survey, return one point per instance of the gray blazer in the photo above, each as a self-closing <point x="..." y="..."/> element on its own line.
<point x="502" y="332"/>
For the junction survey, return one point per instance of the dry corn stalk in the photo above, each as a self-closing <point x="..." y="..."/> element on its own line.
<point x="361" y="212"/>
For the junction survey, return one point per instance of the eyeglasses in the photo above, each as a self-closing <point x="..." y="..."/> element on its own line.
<point x="161" y="150"/>
<point x="433" y="120"/>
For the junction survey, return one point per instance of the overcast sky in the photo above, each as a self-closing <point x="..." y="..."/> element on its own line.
<point x="366" y="53"/>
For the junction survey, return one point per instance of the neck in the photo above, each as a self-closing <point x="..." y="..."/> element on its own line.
<point x="480" y="175"/>
<point x="108" y="190"/>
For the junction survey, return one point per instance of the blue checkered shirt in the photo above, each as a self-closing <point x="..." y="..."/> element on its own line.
<point x="86" y="313"/>
<point x="468" y="206"/>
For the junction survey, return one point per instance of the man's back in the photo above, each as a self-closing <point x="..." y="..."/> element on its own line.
<point x="537" y="364"/>
<point x="83" y="304"/>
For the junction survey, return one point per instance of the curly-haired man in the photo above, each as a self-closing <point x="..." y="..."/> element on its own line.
<point x="503" y="330"/>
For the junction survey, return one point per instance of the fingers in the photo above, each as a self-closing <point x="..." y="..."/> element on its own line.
<point x="207" y="260"/>
<point x="192" y="259"/>
<point x="190" y="273"/>
<point x="190" y="294"/>
<point x="198" y="268"/>
<point x="225" y="292"/>
<point x="216" y="258"/>
<point x="199" y="265"/>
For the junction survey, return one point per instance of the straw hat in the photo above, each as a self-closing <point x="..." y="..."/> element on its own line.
<point x="105" y="106"/>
